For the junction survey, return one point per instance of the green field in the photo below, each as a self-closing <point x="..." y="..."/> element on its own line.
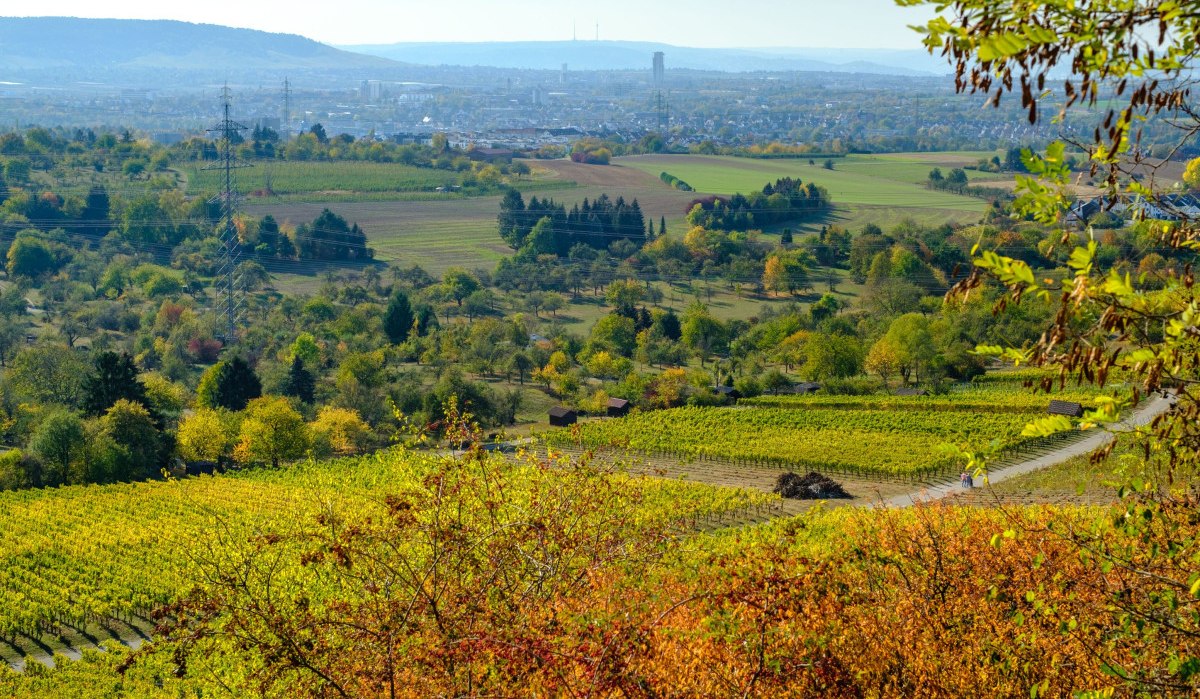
<point x="857" y="179"/>
<point x="295" y="177"/>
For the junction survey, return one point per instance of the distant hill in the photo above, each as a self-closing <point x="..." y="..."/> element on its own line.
<point x="633" y="55"/>
<point x="86" y="48"/>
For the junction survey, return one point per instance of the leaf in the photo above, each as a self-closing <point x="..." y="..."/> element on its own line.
<point x="1047" y="426"/>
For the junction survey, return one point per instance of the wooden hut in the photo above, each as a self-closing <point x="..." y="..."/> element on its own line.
<point x="617" y="407"/>
<point x="804" y="388"/>
<point x="562" y="417"/>
<point x="1065" y="407"/>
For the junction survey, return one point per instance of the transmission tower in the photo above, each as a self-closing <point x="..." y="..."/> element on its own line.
<point x="664" y="114"/>
<point x="287" y="110"/>
<point x="230" y="248"/>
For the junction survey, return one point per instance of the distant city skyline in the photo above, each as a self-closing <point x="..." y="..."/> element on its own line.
<point x="704" y="23"/>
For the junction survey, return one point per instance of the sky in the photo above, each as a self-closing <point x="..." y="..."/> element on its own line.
<point x="700" y="23"/>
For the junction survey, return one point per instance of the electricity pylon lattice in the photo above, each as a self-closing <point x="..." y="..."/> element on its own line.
<point x="230" y="246"/>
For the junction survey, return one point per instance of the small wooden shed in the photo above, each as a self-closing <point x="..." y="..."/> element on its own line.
<point x="806" y="387"/>
<point x="618" y="407"/>
<point x="1065" y="407"/>
<point x="562" y="417"/>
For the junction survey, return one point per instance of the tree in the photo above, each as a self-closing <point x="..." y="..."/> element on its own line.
<point x="340" y="431"/>
<point x="613" y="333"/>
<point x="50" y="374"/>
<point x="522" y="364"/>
<point x="229" y="384"/>
<point x="398" y="319"/>
<point x="132" y="429"/>
<point x="300" y="382"/>
<point x="702" y="333"/>
<point x="59" y="440"/>
<point x="883" y="359"/>
<point x="832" y="357"/>
<point x="272" y="431"/>
<point x="30" y="257"/>
<point x="113" y="377"/>
<point x="205" y="435"/>
<point x="909" y="335"/>
<point x="1191" y="174"/>
<point x="459" y="284"/>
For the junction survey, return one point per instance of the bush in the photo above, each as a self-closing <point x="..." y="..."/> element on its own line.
<point x="855" y="386"/>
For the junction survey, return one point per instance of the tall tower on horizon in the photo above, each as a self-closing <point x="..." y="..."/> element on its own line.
<point x="659" y="69"/>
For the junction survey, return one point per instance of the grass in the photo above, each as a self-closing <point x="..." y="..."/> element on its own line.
<point x="861" y="180"/>
<point x="295" y="177"/>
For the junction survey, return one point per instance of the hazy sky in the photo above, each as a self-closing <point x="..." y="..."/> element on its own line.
<point x="707" y="23"/>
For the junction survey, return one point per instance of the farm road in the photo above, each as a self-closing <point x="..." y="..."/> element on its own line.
<point x="1093" y="441"/>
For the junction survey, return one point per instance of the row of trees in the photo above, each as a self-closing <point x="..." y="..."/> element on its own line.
<point x="788" y="199"/>
<point x="546" y="227"/>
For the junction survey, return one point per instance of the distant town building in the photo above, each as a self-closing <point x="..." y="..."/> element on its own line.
<point x="659" y="69"/>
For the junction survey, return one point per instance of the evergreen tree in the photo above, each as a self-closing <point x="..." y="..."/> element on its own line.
<point x="669" y="326"/>
<point x="662" y="226"/>
<point x="114" y="377"/>
<point x="427" y="320"/>
<point x="228" y="384"/>
<point x="300" y="382"/>
<point x="398" y="320"/>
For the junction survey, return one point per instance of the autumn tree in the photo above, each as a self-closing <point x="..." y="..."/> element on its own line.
<point x="205" y="435"/>
<point x="271" y="432"/>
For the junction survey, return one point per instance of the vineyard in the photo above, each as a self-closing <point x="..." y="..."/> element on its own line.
<point x="992" y="398"/>
<point x="873" y="439"/>
<point x="97" y="560"/>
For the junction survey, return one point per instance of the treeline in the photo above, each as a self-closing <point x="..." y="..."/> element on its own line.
<point x="675" y="182"/>
<point x="958" y="183"/>
<point x="788" y="199"/>
<point x="546" y="227"/>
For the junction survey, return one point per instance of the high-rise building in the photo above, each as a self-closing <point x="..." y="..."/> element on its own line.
<point x="659" y="69"/>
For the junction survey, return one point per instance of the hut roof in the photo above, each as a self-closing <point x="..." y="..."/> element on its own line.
<point x="1063" y="407"/>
